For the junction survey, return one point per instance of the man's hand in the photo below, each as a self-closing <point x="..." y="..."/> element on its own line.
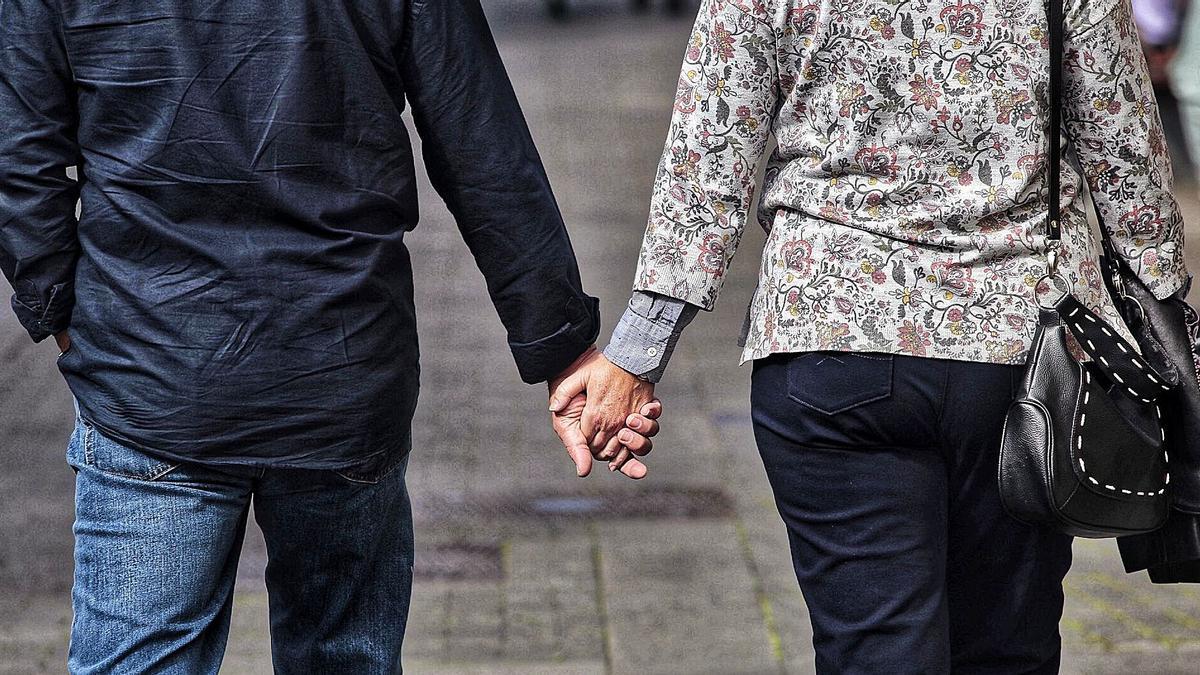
<point x="64" y="341"/>
<point x="610" y="395"/>
<point x="567" y="425"/>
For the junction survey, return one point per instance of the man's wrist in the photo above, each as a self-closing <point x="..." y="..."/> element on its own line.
<point x="584" y="356"/>
<point x="544" y="359"/>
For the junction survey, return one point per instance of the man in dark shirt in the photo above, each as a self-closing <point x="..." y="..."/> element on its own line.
<point x="235" y="301"/>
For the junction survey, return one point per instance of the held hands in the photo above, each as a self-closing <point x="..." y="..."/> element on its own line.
<point x="602" y="412"/>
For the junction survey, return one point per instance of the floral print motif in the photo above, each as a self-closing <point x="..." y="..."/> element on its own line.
<point x="906" y="200"/>
<point x="964" y="20"/>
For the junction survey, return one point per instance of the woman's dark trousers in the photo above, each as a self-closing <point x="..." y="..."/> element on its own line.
<point x="884" y="470"/>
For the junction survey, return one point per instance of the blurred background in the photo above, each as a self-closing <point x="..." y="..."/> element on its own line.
<point x="523" y="568"/>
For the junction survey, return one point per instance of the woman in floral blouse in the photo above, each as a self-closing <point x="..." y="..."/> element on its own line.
<point x="906" y="206"/>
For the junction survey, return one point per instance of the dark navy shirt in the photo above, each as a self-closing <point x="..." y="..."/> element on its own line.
<point x="237" y="288"/>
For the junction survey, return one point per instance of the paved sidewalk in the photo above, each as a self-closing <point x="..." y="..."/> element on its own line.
<point x="525" y="569"/>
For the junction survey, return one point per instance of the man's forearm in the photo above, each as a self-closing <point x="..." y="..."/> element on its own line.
<point x="38" y="242"/>
<point x="482" y="160"/>
<point x="645" y="338"/>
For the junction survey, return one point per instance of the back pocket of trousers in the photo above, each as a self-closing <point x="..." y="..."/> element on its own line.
<point x="834" y="382"/>
<point x="112" y="457"/>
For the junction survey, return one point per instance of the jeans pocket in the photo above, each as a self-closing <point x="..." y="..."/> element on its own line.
<point x="67" y="355"/>
<point x="108" y="456"/>
<point x="835" y="382"/>
<point x="375" y="469"/>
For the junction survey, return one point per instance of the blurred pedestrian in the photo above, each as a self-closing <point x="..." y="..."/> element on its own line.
<point x="1158" y="25"/>
<point x="1185" y="80"/>
<point x="1157" y="21"/>
<point x="560" y="9"/>
<point x="672" y="6"/>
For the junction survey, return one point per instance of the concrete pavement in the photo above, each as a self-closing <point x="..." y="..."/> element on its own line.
<point x="523" y="568"/>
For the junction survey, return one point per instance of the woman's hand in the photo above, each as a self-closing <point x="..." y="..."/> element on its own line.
<point x="612" y="400"/>
<point x="567" y="425"/>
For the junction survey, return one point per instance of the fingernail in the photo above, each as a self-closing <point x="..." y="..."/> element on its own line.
<point x="635" y="423"/>
<point x="625" y="437"/>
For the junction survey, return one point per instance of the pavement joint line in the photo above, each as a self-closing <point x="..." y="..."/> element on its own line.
<point x="601" y="595"/>
<point x="1108" y="609"/>
<point x="760" y="594"/>
<point x="1089" y="636"/>
<point x="558" y="627"/>
<point x="506" y="568"/>
<point x="1178" y="617"/>
<point x="717" y="424"/>
<point x="447" y="622"/>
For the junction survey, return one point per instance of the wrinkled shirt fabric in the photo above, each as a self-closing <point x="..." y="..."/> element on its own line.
<point x="237" y="285"/>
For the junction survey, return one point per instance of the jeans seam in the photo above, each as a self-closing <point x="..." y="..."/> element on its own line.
<point x="152" y="478"/>
<point x="845" y="408"/>
<point x="884" y="393"/>
<point x="864" y="355"/>
<point x="89" y="448"/>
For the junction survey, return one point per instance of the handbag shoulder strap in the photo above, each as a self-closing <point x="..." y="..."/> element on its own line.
<point x="1055" y="29"/>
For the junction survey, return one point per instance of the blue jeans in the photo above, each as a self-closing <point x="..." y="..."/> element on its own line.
<point x="884" y="469"/>
<point x="156" y="553"/>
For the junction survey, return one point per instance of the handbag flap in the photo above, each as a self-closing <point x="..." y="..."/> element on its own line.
<point x="1117" y="444"/>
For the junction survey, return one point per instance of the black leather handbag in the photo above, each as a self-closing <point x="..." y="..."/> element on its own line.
<point x="1169" y="332"/>
<point x="1083" y="448"/>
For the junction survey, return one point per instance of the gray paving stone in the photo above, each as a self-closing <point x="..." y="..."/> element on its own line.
<point x="680" y="599"/>
<point x="246" y="655"/>
<point x="421" y="667"/>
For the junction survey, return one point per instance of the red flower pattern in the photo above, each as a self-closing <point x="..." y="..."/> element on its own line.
<point x="964" y="20"/>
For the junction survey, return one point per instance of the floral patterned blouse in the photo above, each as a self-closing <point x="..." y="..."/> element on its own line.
<point x="906" y="199"/>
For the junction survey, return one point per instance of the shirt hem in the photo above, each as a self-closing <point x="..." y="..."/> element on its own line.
<point x="404" y="448"/>
<point x="749" y="355"/>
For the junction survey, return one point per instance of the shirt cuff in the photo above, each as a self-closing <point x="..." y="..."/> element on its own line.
<point x="43" y="320"/>
<point x="545" y="359"/>
<point x="647" y="333"/>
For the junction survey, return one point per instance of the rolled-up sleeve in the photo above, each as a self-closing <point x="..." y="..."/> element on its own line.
<point x="482" y="160"/>
<point x="38" y="243"/>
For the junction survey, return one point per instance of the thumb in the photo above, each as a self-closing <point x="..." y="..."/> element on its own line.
<point x="571" y="386"/>
<point x="652" y="410"/>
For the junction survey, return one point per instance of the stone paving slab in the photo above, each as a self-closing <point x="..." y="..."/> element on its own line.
<point x="506" y="668"/>
<point x="246" y="654"/>
<point x="679" y="599"/>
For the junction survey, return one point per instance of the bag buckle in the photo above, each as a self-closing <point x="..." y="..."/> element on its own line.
<point x="1056" y="280"/>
